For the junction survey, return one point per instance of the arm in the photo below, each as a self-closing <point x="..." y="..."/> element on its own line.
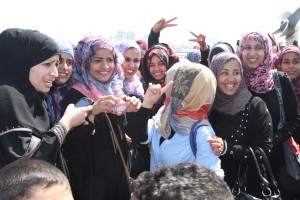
<point x="161" y="24"/>
<point x="204" y="48"/>
<point x="291" y="127"/>
<point x="256" y="134"/>
<point x="205" y="155"/>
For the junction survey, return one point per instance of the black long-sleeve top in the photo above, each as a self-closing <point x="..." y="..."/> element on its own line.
<point x="251" y="127"/>
<point x="95" y="165"/>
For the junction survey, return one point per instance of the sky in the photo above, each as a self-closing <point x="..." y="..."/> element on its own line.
<point x="71" y="20"/>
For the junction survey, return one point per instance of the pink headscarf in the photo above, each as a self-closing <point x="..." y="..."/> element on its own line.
<point x="259" y="80"/>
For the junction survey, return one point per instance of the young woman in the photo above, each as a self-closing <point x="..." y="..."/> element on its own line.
<point x="28" y="65"/>
<point x="62" y="83"/>
<point x="97" y="153"/>
<point x="132" y="56"/>
<point x="234" y="117"/>
<point x="276" y="90"/>
<point x="187" y="102"/>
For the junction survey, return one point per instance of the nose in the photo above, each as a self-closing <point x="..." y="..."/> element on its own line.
<point x="291" y="65"/>
<point x="54" y="71"/>
<point x="63" y="65"/>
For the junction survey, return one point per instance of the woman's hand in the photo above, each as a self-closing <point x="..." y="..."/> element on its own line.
<point x="153" y="93"/>
<point x="200" y="39"/>
<point x="163" y="23"/>
<point x="75" y="116"/>
<point x="217" y="144"/>
<point x="134" y="104"/>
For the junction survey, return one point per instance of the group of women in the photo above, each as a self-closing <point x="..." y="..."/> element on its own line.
<point x="238" y="101"/>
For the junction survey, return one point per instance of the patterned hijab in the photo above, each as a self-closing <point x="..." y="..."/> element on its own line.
<point x="83" y="79"/>
<point x="188" y="100"/>
<point x="166" y="55"/>
<point x="277" y="64"/>
<point x="259" y="80"/>
<point x="229" y="104"/>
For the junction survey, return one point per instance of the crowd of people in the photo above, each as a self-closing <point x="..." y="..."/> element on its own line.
<point x="193" y="120"/>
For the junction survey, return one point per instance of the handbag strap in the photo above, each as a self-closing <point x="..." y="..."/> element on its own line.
<point x="273" y="182"/>
<point x="34" y="141"/>
<point x="119" y="148"/>
<point x="264" y="183"/>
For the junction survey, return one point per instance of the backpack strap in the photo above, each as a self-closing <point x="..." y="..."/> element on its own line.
<point x="193" y="135"/>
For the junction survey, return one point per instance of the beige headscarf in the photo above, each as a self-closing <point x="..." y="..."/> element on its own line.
<point x="188" y="100"/>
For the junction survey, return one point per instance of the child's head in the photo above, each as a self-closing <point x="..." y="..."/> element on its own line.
<point x="33" y="179"/>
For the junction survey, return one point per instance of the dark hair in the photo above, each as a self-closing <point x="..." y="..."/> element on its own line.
<point x="20" y="178"/>
<point x="183" y="181"/>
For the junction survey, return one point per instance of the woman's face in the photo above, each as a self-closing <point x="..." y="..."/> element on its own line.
<point x="64" y="69"/>
<point x="157" y="68"/>
<point x="102" y="65"/>
<point x="132" y="62"/>
<point x="253" y="54"/>
<point x="230" y="77"/>
<point x="291" y="64"/>
<point x="41" y="76"/>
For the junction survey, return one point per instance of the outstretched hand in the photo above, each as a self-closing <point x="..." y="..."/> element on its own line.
<point x="153" y="93"/>
<point x="163" y="23"/>
<point x="200" y="39"/>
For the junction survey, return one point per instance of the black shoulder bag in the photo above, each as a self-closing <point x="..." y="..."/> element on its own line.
<point x="268" y="184"/>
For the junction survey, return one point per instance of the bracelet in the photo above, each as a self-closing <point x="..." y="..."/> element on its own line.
<point x="225" y="148"/>
<point x="60" y="131"/>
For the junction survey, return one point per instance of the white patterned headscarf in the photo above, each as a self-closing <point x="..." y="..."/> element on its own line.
<point x="188" y="100"/>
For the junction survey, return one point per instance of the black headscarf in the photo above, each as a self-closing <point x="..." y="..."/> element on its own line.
<point x="20" y="104"/>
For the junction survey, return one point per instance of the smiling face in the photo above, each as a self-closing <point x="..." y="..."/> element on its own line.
<point x="102" y="65"/>
<point x="41" y="76"/>
<point x="132" y="62"/>
<point x="230" y="77"/>
<point x="157" y="68"/>
<point x="291" y="64"/>
<point x="253" y="54"/>
<point x="64" y="69"/>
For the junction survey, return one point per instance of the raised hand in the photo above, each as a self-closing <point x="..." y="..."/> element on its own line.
<point x="200" y="39"/>
<point x="153" y="93"/>
<point x="163" y="23"/>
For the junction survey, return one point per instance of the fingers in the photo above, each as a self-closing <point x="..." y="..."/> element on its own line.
<point x="166" y="87"/>
<point x="170" y="20"/>
<point x="194" y="34"/>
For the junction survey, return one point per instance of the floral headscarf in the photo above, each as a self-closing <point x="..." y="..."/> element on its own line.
<point x="188" y="100"/>
<point x="83" y="79"/>
<point x="259" y="80"/>
<point x="229" y="104"/>
<point x="277" y="64"/>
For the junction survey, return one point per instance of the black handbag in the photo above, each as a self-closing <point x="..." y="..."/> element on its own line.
<point x="139" y="159"/>
<point x="268" y="184"/>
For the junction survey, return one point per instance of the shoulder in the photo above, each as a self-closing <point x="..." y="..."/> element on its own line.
<point x="73" y="96"/>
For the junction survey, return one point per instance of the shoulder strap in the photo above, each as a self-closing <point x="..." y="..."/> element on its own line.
<point x="193" y="135"/>
<point x="115" y="139"/>
<point x="34" y="142"/>
<point x="280" y="98"/>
